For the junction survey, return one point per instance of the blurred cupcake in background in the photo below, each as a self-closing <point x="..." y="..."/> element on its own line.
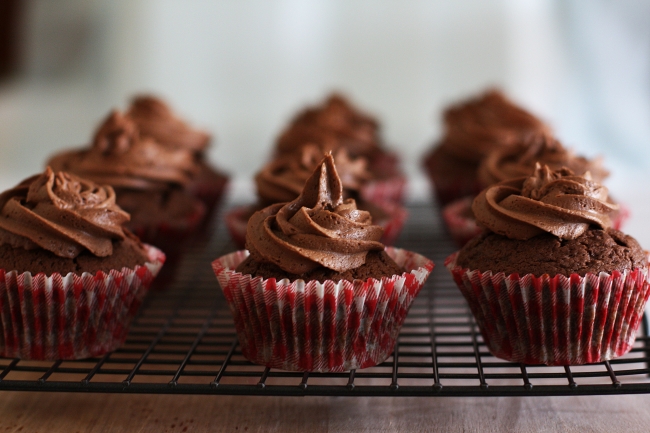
<point x="156" y="120"/>
<point x="514" y="162"/>
<point x="335" y="124"/>
<point x="519" y="160"/>
<point x="150" y="181"/>
<point x="473" y="129"/>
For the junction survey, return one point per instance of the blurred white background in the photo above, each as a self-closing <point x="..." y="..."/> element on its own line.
<point x="241" y="68"/>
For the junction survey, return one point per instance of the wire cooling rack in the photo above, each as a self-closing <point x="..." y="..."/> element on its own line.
<point x="184" y="342"/>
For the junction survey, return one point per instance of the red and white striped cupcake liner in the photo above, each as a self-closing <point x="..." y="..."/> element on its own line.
<point x="71" y="316"/>
<point x="236" y="221"/>
<point x="620" y="217"/>
<point x="210" y="189"/>
<point x="461" y="226"/>
<point x="397" y="216"/>
<point x="556" y="320"/>
<point x="384" y="190"/>
<point x="173" y="239"/>
<point x="312" y="326"/>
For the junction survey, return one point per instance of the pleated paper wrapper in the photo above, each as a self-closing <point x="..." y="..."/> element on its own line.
<point x="173" y="239"/>
<point x="556" y="320"/>
<point x="71" y="316"/>
<point x="389" y="184"/>
<point x="210" y="187"/>
<point x="385" y="190"/>
<point x="460" y="225"/>
<point x="236" y="221"/>
<point x="316" y="326"/>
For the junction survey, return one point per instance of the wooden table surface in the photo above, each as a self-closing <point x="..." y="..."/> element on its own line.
<point x="78" y="412"/>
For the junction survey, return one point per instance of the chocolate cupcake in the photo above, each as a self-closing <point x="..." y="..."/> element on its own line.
<point x="338" y="124"/>
<point x="150" y="181"/>
<point x="283" y="179"/>
<point x="317" y="263"/>
<point x="472" y="130"/>
<point x="549" y="281"/>
<point x="72" y="275"/>
<point x="333" y="124"/>
<point x="514" y="162"/>
<point x="156" y="120"/>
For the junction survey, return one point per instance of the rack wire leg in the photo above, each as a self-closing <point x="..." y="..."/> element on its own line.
<point x="646" y="342"/>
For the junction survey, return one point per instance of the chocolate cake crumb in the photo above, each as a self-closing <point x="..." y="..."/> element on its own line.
<point x="126" y="253"/>
<point x="594" y="252"/>
<point x="378" y="264"/>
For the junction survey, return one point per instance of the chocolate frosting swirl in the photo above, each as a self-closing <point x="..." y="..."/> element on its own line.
<point x="519" y="160"/>
<point x="557" y="202"/>
<point x="61" y="213"/>
<point x="120" y="157"/>
<point x="333" y="124"/>
<point x="283" y="179"/>
<point x="477" y="127"/>
<point x="155" y="119"/>
<point x="318" y="228"/>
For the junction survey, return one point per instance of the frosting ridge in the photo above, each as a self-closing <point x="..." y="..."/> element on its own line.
<point x="557" y="202"/>
<point x="155" y="119"/>
<point x="476" y="127"/>
<point x="122" y="158"/>
<point x="61" y="213"/>
<point x="333" y="124"/>
<point x="519" y="160"/>
<point x="319" y="228"/>
<point x="283" y="179"/>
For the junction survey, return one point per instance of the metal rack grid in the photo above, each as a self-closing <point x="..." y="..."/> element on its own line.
<point x="183" y="342"/>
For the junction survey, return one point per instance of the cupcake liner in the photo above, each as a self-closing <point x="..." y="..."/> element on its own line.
<point x="71" y="316"/>
<point x="173" y="239"/>
<point x="316" y="326"/>
<point x="389" y="184"/>
<point x="461" y="226"/>
<point x="620" y="217"/>
<point x="385" y="190"/>
<point x="236" y="222"/>
<point x="555" y="320"/>
<point x="393" y="224"/>
<point x="210" y="189"/>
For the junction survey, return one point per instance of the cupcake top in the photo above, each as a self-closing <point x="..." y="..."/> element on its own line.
<point x="333" y="124"/>
<point x="317" y="229"/>
<point x="61" y="213"/>
<point x="283" y="179"/>
<point x="557" y="202"/>
<point x="156" y="120"/>
<point x="474" y="128"/>
<point x="519" y="160"/>
<point x="121" y="157"/>
<point x="551" y="222"/>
